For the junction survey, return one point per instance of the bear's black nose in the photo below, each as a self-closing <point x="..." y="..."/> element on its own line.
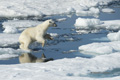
<point x="55" y="25"/>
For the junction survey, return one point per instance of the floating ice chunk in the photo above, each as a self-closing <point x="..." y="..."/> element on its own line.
<point x="114" y="36"/>
<point x="111" y="24"/>
<point x="100" y="48"/>
<point x="70" y="51"/>
<point x="14" y="26"/>
<point x="108" y="10"/>
<point x="87" y="23"/>
<point x="53" y="34"/>
<point x="61" y="19"/>
<point x="92" y="25"/>
<point x="86" y="31"/>
<point x="95" y="11"/>
<point x="70" y="39"/>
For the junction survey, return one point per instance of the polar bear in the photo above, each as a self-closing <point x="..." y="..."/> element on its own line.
<point x="29" y="58"/>
<point x="37" y="33"/>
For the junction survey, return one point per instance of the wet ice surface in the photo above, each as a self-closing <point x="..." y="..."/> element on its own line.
<point x="64" y="48"/>
<point x="109" y="73"/>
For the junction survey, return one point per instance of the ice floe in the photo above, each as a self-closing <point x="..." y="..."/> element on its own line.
<point x="40" y="8"/>
<point x="15" y="26"/>
<point x="90" y="12"/>
<point x="7" y="53"/>
<point x="8" y="56"/>
<point x="86" y="25"/>
<point x="115" y="36"/>
<point x="9" y="40"/>
<point x="111" y="24"/>
<point x="63" y="67"/>
<point x="100" y="48"/>
<point x="108" y="10"/>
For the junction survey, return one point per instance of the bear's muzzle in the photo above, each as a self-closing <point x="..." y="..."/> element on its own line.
<point x="55" y="25"/>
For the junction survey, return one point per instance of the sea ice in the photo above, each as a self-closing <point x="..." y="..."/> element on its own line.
<point x="7" y="53"/>
<point x="15" y="26"/>
<point x="92" y="24"/>
<point x="115" y="36"/>
<point x="111" y="24"/>
<point x="7" y="40"/>
<point x="90" y="12"/>
<point x="40" y="8"/>
<point x="100" y="48"/>
<point x="87" y="23"/>
<point x="108" y="10"/>
<point x="8" y="56"/>
<point x="63" y="69"/>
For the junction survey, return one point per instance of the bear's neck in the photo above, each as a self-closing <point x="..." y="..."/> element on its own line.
<point x="43" y="27"/>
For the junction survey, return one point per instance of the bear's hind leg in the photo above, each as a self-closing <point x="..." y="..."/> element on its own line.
<point x="21" y="45"/>
<point x="26" y="45"/>
<point x="43" y="43"/>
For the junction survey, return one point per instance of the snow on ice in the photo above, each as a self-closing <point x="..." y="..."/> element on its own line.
<point x="40" y="8"/>
<point x="87" y="23"/>
<point x="108" y="10"/>
<point x="15" y="26"/>
<point x="93" y="23"/>
<point x="115" y="36"/>
<point x="62" y="69"/>
<point x="111" y="24"/>
<point x="100" y="48"/>
<point x="8" y="40"/>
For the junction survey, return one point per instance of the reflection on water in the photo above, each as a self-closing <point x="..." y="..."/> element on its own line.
<point x="30" y="58"/>
<point x="26" y="58"/>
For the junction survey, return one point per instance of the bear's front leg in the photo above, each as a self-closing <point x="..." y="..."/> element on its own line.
<point x="40" y="40"/>
<point x="48" y="36"/>
<point x="43" y="43"/>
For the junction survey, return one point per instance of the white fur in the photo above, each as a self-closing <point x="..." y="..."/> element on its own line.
<point x="32" y="34"/>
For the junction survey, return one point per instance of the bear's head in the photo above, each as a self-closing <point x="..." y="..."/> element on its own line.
<point x="51" y="23"/>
